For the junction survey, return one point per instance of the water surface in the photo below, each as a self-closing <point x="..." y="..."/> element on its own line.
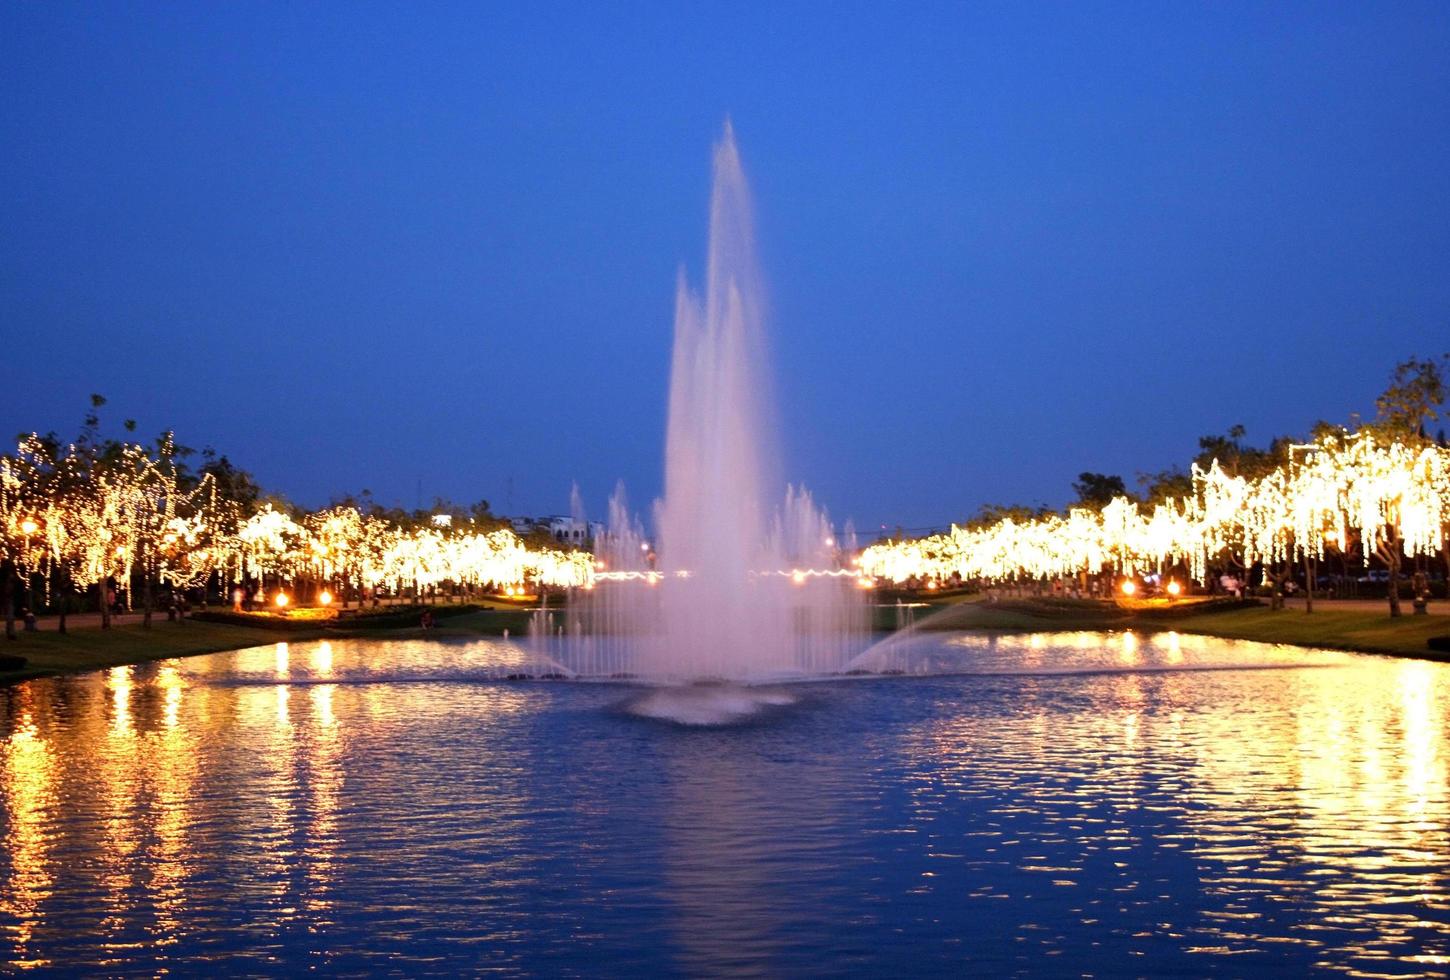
<point x="1068" y="803"/>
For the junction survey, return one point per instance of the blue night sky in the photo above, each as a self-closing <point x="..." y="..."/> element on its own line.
<point x="367" y="246"/>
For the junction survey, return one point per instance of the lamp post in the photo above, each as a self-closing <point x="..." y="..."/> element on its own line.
<point x="28" y="527"/>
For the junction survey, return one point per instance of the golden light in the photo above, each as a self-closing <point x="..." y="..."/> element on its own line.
<point x="325" y="598"/>
<point x="322" y="659"/>
<point x="1355" y="483"/>
<point x="281" y="600"/>
<point x="1346" y="488"/>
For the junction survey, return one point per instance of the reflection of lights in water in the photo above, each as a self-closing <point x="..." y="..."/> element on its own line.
<point x="173" y="707"/>
<point x="321" y="695"/>
<point x="118" y="680"/>
<point x="1360" y="773"/>
<point x="322" y="659"/>
<point x="325" y="779"/>
<point x="120" y="767"/>
<point x="1300" y="808"/>
<point x="168" y="678"/>
<point x="1425" y="771"/>
<point x="27" y="767"/>
<point x="1173" y="647"/>
<point x="1129" y="648"/>
<point x="1307" y="788"/>
<point x="170" y="766"/>
<point x="281" y="660"/>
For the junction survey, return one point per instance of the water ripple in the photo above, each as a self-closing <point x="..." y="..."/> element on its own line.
<point x="363" y="806"/>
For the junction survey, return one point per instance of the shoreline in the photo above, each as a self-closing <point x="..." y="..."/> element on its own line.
<point x="53" y="654"/>
<point x="1352" y="630"/>
<point x="83" y="649"/>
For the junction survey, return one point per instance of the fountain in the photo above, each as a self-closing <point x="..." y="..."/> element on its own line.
<point x="737" y="586"/>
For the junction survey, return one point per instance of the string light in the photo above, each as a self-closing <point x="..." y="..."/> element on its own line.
<point x="67" y="513"/>
<point x="1344" y="483"/>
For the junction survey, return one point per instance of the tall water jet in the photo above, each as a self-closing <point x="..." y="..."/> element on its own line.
<point x="736" y="584"/>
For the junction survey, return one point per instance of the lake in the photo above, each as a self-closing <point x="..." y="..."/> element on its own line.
<point x="1058" y="803"/>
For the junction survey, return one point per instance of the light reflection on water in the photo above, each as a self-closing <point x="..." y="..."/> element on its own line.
<point x="1060" y="803"/>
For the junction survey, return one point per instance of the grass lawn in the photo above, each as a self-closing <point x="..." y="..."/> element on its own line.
<point x="1349" y="629"/>
<point x="89" y="648"/>
<point x="49" y="652"/>
<point x="1341" y="629"/>
<point x="487" y="622"/>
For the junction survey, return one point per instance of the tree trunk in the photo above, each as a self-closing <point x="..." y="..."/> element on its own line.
<point x="148" y="597"/>
<point x="104" y="590"/>
<point x="1392" y="562"/>
<point x="30" y="594"/>
<point x="62" y="596"/>
<point x="9" y="579"/>
<point x="1308" y="584"/>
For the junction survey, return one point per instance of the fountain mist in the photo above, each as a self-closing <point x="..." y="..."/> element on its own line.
<point x="731" y="599"/>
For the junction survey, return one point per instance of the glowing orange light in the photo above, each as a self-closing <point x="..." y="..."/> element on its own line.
<point x="281" y="599"/>
<point x="1174" y="588"/>
<point x="1129" y="587"/>
<point x="325" y="598"/>
<point x="29" y="526"/>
